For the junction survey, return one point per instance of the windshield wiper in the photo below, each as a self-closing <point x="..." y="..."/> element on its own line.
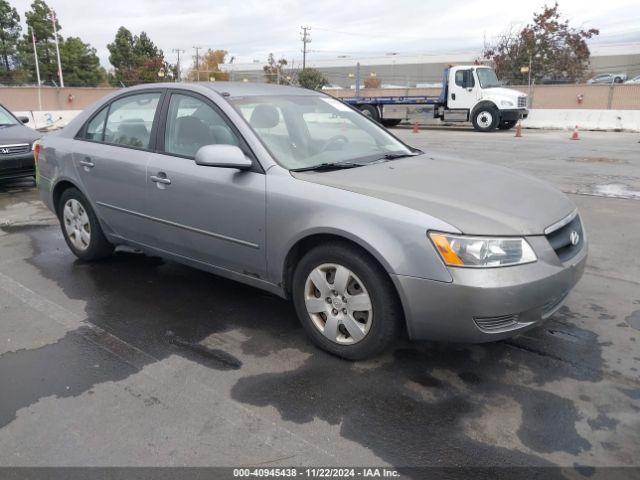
<point x="328" y="166"/>
<point x="395" y="156"/>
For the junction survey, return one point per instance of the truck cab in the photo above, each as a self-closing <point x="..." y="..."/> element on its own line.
<point x="473" y="93"/>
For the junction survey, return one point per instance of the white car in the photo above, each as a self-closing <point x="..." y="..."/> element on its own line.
<point x="634" y="81"/>
<point x="608" y="78"/>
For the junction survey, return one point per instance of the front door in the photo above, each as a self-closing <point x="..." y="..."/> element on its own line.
<point x="462" y="91"/>
<point x="111" y="158"/>
<point x="211" y="215"/>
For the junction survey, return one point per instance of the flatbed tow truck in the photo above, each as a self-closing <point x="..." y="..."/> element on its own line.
<point x="469" y="93"/>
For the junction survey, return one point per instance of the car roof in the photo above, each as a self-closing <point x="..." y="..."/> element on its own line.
<point x="234" y="89"/>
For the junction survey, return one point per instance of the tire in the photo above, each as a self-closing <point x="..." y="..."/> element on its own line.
<point x="370" y="111"/>
<point x="391" y="122"/>
<point x="485" y="118"/>
<point x="507" y="125"/>
<point x="372" y="331"/>
<point x="92" y="245"/>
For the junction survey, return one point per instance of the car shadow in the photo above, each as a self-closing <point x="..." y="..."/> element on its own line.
<point x="412" y="406"/>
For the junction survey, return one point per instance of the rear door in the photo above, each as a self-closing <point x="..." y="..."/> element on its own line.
<point x="208" y="214"/>
<point x="111" y="157"/>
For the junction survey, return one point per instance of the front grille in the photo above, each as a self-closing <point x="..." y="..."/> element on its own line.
<point x="567" y="240"/>
<point x="14" y="149"/>
<point x="495" y="324"/>
<point x="522" y="102"/>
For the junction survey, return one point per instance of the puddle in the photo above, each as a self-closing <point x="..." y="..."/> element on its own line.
<point x="617" y="190"/>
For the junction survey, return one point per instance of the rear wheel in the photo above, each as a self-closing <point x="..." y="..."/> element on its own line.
<point x="81" y="228"/>
<point x="485" y="118"/>
<point x="345" y="301"/>
<point x="507" y="124"/>
<point x="370" y="111"/>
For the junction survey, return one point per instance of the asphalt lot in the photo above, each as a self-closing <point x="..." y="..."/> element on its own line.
<point x="139" y="361"/>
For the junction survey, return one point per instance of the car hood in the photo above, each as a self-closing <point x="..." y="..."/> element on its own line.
<point x="474" y="197"/>
<point x="11" y="134"/>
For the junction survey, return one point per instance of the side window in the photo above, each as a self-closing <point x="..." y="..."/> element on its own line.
<point x="464" y="78"/>
<point x="191" y="124"/>
<point x="95" y="128"/>
<point x="130" y="120"/>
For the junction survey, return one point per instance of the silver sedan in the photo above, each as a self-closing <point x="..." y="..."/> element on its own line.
<point x="293" y="192"/>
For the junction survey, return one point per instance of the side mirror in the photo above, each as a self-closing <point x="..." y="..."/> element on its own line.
<point x="223" y="156"/>
<point x="24" y="119"/>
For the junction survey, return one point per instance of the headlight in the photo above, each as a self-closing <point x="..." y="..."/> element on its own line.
<point x="482" y="252"/>
<point x="507" y="103"/>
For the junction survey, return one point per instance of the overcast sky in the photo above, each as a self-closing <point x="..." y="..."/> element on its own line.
<point x="250" y="29"/>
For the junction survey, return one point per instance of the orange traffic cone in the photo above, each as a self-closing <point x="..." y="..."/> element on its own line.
<point x="574" y="135"/>
<point x="415" y="127"/>
<point x="519" y="130"/>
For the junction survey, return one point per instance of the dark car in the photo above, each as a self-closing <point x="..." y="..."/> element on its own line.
<point x="16" y="141"/>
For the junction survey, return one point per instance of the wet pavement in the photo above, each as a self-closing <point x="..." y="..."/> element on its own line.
<point x="139" y="361"/>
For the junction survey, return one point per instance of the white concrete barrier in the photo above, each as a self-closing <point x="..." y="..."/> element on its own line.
<point x="615" y="120"/>
<point x="48" y="119"/>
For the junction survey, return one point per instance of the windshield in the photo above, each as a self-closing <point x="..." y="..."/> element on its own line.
<point x="487" y="78"/>
<point x="303" y="131"/>
<point x="6" y="118"/>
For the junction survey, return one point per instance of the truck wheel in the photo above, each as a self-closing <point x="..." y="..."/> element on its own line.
<point x="345" y="301"/>
<point x="507" y="125"/>
<point x="387" y="122"/>
<point x="485" y="118"/>
<point x="370" y="111"/>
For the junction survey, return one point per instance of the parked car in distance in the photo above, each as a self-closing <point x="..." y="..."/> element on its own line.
<point x="299" y="194"/>
<point x="16" y="141"/>
<point x="607" y="78"/>
<point x="633" y="81"/>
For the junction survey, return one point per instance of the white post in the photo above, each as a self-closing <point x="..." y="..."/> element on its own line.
<point x="35" y="56"/>
<point x="55" y="37"/>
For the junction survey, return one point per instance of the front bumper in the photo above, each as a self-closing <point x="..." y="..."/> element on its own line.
<point x="483" y="305"/>
<point x="17" y="166"/>
<point x="513" y="115"/>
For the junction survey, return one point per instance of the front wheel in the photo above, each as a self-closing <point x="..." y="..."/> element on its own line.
<point x="81" y="228"/>
<point x="345" y="301"/>
<point x="485" y="119"/>
<point x="370" y="111"/>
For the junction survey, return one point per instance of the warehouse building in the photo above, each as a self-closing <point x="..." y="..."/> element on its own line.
<point x="400" y="70"/>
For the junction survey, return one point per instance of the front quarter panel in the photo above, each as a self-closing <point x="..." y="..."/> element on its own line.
<point x="395" y="235"/>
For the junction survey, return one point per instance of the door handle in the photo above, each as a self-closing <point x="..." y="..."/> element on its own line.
<point x="453" y="96"/>
<point x="160" y="178"/>
<point x="87" y="163"/>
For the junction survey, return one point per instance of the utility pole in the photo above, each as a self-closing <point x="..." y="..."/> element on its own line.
<point x="55" y="37"/>
<point x="35" y="56"/>
<point x="197" y="49"/>
<point x="306" y="38"/>
<point x="177" y="50"/>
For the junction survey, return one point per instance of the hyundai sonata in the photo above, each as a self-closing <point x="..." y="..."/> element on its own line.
<point x="293" y="192"/>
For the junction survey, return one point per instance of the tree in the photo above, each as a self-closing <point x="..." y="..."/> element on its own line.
<point x="80" y="64"/>
<point x="9" y="34"/>
<point x="552" y="48"/>
<point x="39" y="19"/>
<point x="208" y="66"/>
<point x="136" y="59"/>
<point x="274" y="70"/>
<point x="312" y="79"/>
